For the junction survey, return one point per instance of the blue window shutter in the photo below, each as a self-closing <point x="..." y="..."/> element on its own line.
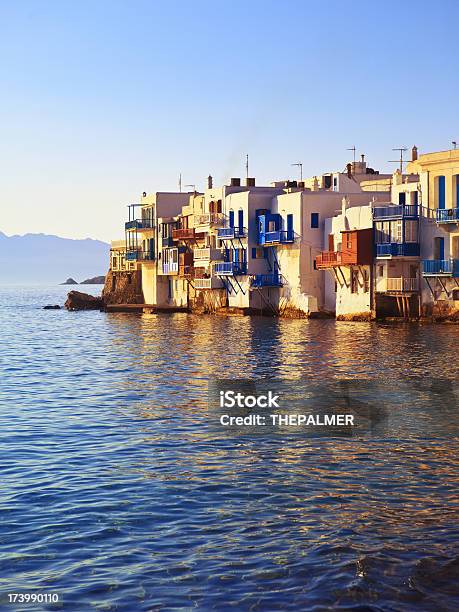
<point x="241" y="219"/>
<point x="289" y="227"/>
<point x="231" y="218"/>
<point x="441" y="191"/>
<point x="442" y="248"/>
<point x="314" y="220"/>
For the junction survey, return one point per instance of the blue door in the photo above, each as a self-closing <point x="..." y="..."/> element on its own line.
<point x="439" y="248"/>
<point x="441" y="191"/>
<point x="402" y="198"/>
<point x="231" y="218"/>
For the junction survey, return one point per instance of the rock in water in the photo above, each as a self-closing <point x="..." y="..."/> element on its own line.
<point x="76" y="300"/>
<point x="70" y="281"/>
<point x="51" y="307"/>
<point x="96" y="280"/>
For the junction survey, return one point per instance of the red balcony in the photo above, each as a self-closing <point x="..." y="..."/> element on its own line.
<point x="328" y="259"/>
<point x="183" y="233"/>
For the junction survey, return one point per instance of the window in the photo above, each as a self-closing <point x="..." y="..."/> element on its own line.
<point x="366" y="280"/>
<point x="411" y="231"/>
<point x="414" y="197"/>
<point x="395" y="231"/>
<point x="441" y="191"/>
<point x="335" y="183"/>
<point x="380" y="271"/>
<point x="257" y="253"/>
<point x="402" y="198"/>
<point x="348" y="241"/>
<point x="354" y="280"/>
<point x="314" y="220"/>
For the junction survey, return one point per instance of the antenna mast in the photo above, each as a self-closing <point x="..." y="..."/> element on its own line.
<point x="300" y="166"/>
<point x="352" y="149"/>
<point x="180" y="182"/>
<point x="400" y="161"/>
<point x="247" y="166"/>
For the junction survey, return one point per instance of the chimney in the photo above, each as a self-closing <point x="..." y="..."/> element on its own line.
<point x="362" y="158"/>
<point x="249" y="182"/>
<point x="414" y="153"/>
<point x="349" y="170"/>
<point x="344" y="205"/>
<point x="235" y="182"/>
<point x="209" y="182"/>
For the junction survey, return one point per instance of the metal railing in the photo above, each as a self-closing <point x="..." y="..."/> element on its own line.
<point x="397" y="249"/>
<point x="278" y="236"/>
<point x="139" y="255"/>
<point x="231" y="268"/>
<point x="447" y="215"/>
<point x="231" y="232"/>
<point x="396" y="211"/>
<point x="139" y="224"/>
<point x="446" y="267"/>
<point x="266" y="280"/>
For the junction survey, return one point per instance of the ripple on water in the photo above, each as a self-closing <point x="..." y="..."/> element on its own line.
<point x="116" y="494"/>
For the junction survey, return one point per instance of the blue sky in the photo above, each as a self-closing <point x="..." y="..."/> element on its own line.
<point x="103" y="100"/>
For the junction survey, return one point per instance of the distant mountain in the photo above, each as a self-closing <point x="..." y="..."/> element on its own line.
<point x="40" y="258"/>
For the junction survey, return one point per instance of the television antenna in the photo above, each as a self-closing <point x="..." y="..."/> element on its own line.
<point x="400" y="161"/>
<point x="300" y="166"/>
<point x="352" y="149"/>
<point x="191" y="185"/>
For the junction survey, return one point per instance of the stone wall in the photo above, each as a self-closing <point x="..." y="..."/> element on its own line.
<point x="123" y="288"/>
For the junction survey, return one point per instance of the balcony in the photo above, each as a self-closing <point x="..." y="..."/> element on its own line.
<point x="228" y="233"/>
<point x="183" y="233"/>
<point x="167" y="241"/>
<point x="277" y="237"/>
<point x="397" y="285"/>
<point x="447" y="215"/>
<point x="267" y="280"/>
<point x="203" y="256"/>
<point x="139" y="224"/>
<point x="231" y="268"/>
<point x="170" y="268"/>
<point x="328" y="259"/>
<point x="397" y="249"/>
<point x="208" y="219"/>
<point x="401" y="211"/>
<point x="440" y="267"/>
<point x="207" y="283"/>
<point x="139" y="255"/>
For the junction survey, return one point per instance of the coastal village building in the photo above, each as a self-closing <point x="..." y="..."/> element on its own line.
<point x="357" y="244"/>
<point x="439" y="188"/>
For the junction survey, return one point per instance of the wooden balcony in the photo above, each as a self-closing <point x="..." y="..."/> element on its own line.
<point x="328" y="259"/>
<point x="183" y="233"/>
<point x="397" y="285"/>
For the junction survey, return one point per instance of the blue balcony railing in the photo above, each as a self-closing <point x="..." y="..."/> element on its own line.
<point x="139" y="224"/>
<point x="267" y="280"/>
<point x="276" y="237"/>
<point x="227" y="233"/>
<point x="440" y="267"/>
<point x="447" y="215"/>
<point x="401" y="211"/>
<point x="397" y="249"/>
<point x="231" y="268"/>
<point x="139" y="255"/>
